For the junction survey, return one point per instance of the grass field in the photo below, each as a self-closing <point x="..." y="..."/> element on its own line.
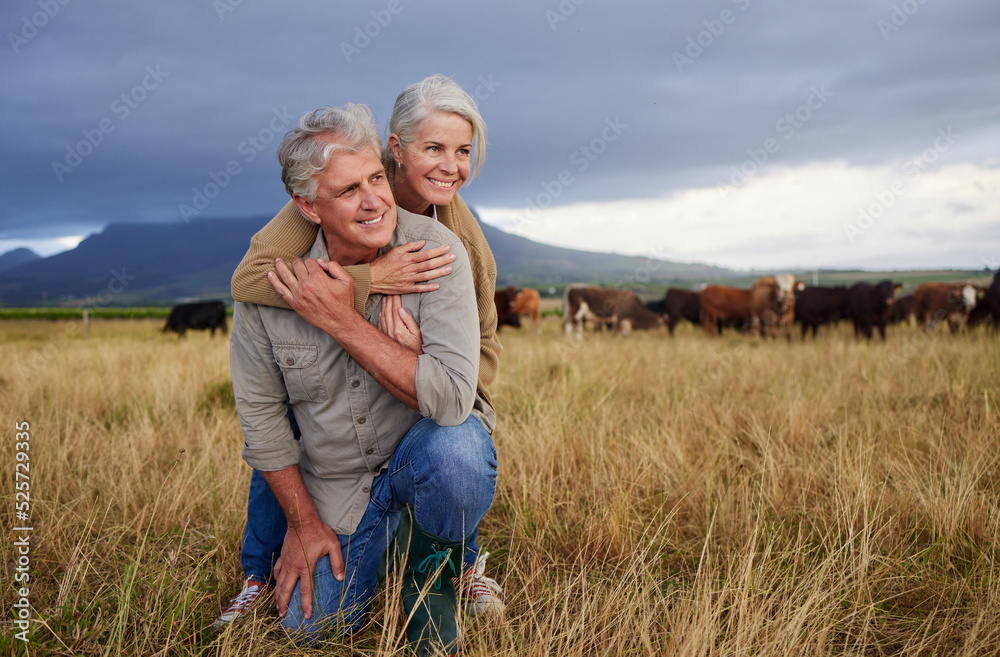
<point x="656" y="496"/>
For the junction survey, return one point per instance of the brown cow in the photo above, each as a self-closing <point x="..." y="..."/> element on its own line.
<point x="903" y="310"/>
<point x="772" y="304"/>
<point x="527" y="302"/>
<point x="721" y="303"/>
<point x="940" y="301"/>
<point x="621" y="309"/>
<point x="504" y="300"/>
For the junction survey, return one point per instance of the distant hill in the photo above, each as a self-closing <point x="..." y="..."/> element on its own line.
<point x="521" y="262"/>
<point x="16" y="258"/>
<point x="158" y="264"/>
<point x="130" y="264"/>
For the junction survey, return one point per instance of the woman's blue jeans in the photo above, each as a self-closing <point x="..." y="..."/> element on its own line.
<point x="447" y="475"/>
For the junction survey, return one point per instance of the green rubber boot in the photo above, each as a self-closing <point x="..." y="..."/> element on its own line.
<point x="430" y="600"/>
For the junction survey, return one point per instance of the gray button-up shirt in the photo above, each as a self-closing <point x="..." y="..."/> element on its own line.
<point x="351" y="424"/>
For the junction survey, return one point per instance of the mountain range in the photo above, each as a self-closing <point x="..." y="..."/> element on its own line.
<point x="160" y="264"/>
<point x="16" y="258"/>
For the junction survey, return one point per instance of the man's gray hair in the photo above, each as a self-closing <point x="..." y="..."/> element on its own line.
<point x="437" y="93"/>
<point x="306" y="150"/>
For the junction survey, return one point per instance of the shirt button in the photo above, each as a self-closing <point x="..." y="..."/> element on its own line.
<point x="289" y="361"/>
<point x="366" y="489"/>
<point x="370" y="450"/>
<point x="355" y="383"/>
<point x="361" y="420"/>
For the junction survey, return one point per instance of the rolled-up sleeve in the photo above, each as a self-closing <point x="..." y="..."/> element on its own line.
<point x="448" y="369"/>
<point x="260" y="394"/>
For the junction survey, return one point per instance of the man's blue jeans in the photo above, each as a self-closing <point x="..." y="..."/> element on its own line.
<point x="266" y="526"/>
<point x="447" y="475"/>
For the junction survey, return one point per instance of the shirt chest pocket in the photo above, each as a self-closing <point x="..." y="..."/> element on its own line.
<point x="303" y="379"/>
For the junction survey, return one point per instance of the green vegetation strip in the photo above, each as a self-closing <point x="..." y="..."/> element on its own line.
<point x="147" y="312"/>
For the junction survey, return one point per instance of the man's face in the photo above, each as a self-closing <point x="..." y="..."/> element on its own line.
<point x="354" y="206"/>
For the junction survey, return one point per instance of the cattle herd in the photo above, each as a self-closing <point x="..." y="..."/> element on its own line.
<point x="770" y="306"/>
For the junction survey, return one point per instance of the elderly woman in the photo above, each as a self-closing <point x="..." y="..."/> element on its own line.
<point x="434" y="129"/>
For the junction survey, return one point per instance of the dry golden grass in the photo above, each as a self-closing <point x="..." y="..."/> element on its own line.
<point x="656" y="496"/>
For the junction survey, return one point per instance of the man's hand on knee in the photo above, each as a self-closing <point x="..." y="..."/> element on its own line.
<point x="299" y="553"/>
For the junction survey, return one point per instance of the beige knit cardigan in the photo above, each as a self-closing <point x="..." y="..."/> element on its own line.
<point x="289" y="235"/>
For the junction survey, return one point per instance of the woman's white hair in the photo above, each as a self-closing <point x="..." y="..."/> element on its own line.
<point x="437" y="93"/>
<point x="306" y="150"/>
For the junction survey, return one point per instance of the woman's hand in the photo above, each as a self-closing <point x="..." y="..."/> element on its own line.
<point x="402" y="269"/>
<point x="394" y="321"/>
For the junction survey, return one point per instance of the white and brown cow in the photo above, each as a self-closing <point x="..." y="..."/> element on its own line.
<point x="622" y="310"/>
<point x="944" y="301"/>
<point x="772" y="304"/>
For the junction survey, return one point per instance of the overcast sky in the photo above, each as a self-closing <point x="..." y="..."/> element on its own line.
<point x="744" y="133"/>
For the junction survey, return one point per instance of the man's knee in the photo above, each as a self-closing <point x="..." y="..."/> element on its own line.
<point x="461" y="467"/>
<point x="466" y="449"/>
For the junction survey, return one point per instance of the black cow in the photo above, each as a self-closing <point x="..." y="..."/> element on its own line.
<point x="203" y="315"/>
<point x="816" y="306"/>
<point x="869" y="306"/>
<point x="981" y="312"/>
<point x="504" y="300"/>
<point x="677" y="305"/>
<point x="992" y="300"/>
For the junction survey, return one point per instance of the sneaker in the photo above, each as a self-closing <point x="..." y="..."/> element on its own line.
<point x="252" y="594"/>
<point x="482" y="594"/>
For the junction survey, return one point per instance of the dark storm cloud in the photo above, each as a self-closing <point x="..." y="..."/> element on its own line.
<point x="176" y="93"/>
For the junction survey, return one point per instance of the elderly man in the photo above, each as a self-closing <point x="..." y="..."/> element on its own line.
<point x="383" y="407"/>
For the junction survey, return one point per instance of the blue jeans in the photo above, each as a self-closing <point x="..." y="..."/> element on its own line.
<point x="447" y="475"/>
<point x="266" y="526"/>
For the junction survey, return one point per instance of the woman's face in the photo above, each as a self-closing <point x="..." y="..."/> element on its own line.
<point x="435" y="164"/>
